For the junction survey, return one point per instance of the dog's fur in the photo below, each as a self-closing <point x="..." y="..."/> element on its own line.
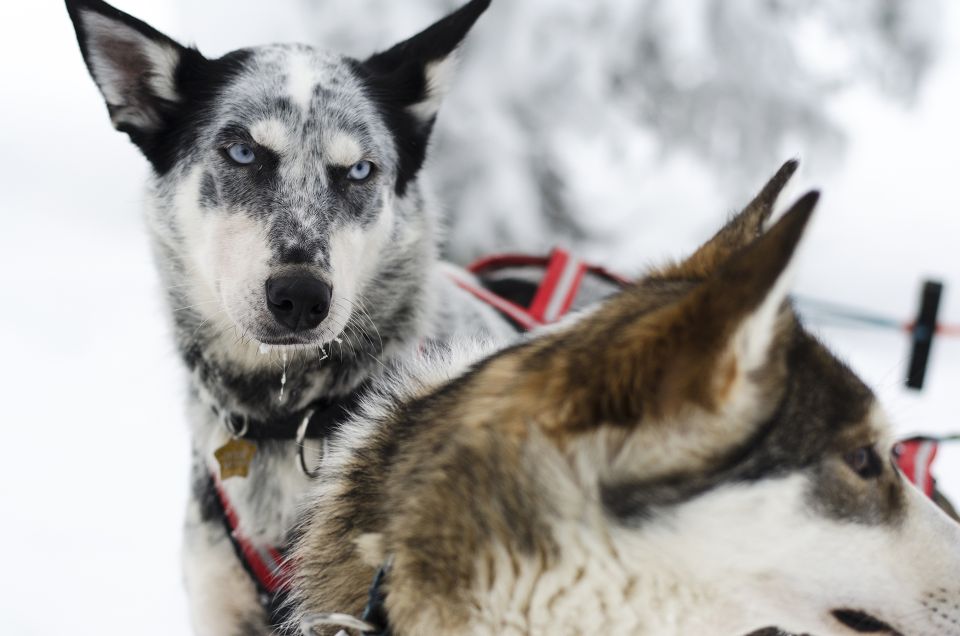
<point x="687" y="459"/>
<point x="220" y="230"/>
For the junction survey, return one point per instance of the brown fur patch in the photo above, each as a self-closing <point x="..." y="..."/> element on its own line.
<point x="633" y="360"/>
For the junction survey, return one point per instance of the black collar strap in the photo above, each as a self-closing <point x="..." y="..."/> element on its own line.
<point x="324" y="416"/>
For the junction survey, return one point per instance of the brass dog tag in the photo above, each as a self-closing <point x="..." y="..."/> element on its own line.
<point x="235" y="457"/>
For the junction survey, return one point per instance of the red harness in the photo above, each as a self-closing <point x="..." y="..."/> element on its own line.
<point x="266" y="564"/>
<point x="563" y="275"/>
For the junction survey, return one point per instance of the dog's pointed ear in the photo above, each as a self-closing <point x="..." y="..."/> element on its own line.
<point x="133" y="64"/>
<point x="419" y="68"/>
<point x="714" y="347"/>
<point x="735" y="320"/>
<point x="410" y="79"/>
<point x="739" y="232"/>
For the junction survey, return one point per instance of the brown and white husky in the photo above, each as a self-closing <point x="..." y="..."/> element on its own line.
<point x="686" y="459"/>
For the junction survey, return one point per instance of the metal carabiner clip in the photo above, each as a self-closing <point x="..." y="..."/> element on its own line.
<point x="301" y="447"/>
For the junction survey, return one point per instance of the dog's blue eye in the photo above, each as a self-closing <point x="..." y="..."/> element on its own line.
<point x="241" y="153"/>
<point x="360" y="171"/>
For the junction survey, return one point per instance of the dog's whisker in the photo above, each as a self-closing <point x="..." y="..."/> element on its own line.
<point x="361" y="330"/>
<point x="378" y="361"/>
<point x="205" y="321"/>
<point x="194" y="305"/>
<point x="366" y="314"/>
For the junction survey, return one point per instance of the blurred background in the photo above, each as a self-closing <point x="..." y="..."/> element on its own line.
<point x="625" y="129"/>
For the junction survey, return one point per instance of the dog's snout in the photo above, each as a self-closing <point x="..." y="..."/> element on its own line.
<point x="298" y="302"/>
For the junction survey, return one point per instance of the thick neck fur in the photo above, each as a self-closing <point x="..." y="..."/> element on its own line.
<point x="230" y="370"/>
<point x="590" y="574"/>
<point x="599" y="585"/>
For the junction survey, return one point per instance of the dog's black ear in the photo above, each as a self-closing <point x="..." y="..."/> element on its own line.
<point x="134" y="65"/>
<point x="410" y="79"/>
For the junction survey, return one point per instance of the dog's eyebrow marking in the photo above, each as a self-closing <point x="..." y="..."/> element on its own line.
<point x="342" y="149"/>
<point x="270" y="133"/>
<point x="301" y="78"/>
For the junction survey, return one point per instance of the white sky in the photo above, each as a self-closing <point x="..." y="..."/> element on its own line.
<point x="95" y="474"/>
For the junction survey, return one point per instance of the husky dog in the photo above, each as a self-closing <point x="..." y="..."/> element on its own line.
<point x="685" y="459"/>
<point x="286" y="210"/>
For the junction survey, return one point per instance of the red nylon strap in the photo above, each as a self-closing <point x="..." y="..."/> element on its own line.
<point x="915" y="458"/>
<point x="516" y="313"/>
<point x="555" y="295"/>
<point x="266" y="563"/>
<point x="500" y="261"/>
<point x="559" y="287"/>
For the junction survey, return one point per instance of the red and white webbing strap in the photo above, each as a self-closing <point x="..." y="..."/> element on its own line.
<point x="559" y="287"/>
<point x="266" y="563"/>
<point x="915" y="458"/>
<point x="512" y="310"/>
<point x="553" y="298"/>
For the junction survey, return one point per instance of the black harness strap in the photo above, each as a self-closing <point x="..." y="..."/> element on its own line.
<point x="375" y="613"/>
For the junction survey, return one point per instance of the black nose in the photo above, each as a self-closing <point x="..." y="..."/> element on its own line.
<point x="298" y="302"/>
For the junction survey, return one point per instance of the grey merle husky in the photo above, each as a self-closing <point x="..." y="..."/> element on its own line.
<point x="298" y="248"/>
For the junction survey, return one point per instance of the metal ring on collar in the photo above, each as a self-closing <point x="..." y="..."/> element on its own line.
<point x="231" y="425"/>
<point x="301" y="446"/>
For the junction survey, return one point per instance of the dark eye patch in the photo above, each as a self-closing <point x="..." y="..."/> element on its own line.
<point x="341" y="178"/>
<point x="265" y="162"/>
<point x="234" y="133"/>
<point x="864" y="461"/>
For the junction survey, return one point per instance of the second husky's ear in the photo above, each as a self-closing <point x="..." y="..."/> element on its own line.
<point x="739" y="232"/>
<point x="733" y="321"/>
<point x="717" y="349"/>
<point x="133" y="64"/>
<point x="410" y="79"/>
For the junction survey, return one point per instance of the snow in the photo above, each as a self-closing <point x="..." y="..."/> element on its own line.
<point x="93" y="482"/>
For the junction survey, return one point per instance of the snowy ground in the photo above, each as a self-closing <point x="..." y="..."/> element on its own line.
<point x="94" y="475"/>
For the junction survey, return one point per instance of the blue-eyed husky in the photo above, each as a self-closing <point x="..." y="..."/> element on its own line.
<point x="685" y="460"/>
<point x="299" y="251"/>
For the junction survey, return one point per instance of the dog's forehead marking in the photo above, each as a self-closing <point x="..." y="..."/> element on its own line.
<point x="301" y="77"/>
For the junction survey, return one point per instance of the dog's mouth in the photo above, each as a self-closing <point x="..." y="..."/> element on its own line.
<point x="268" y="343"/>
<point x="863" y="623"/>
<point x="271" y="337"/>
<point x="292" y="344"/>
